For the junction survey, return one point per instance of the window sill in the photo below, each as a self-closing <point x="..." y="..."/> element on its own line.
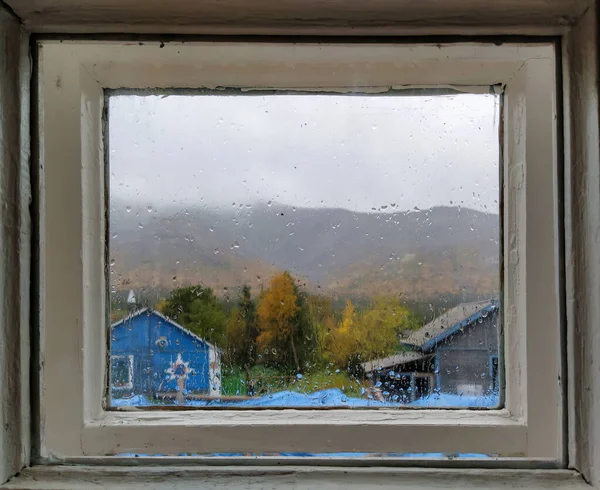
<point x="297" y="477"/>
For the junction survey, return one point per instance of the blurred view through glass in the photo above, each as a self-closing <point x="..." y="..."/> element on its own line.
<point x="304" y="250"/>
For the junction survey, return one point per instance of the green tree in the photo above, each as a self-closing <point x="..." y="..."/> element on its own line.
<point x="309" y="331"/>
<point x="242" y="332"/>
<point x="197" y="309"/>
<point x="319" y="321"/>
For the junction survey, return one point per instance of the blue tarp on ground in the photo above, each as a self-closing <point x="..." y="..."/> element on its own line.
<point x="326" y="398"/>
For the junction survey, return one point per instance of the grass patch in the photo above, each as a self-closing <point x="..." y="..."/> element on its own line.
<point x="268" y="380"/>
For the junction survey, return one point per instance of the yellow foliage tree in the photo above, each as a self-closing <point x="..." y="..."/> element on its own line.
<point x="277" y="311"/>
<point x="380" y="325"/>
<point x="368" y="335"/>
<point x="344" y="338"/>
<point x="349" y="317"/>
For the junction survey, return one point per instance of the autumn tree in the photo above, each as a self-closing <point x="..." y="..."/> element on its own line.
<point x="343" y="341"/>
<point x="369" y="334"/>
<point x="278" y="320"/>
<point x="381" y="325"/>
<point x="197" y="309"/>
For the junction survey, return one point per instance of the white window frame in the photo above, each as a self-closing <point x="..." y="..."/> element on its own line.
<point x="129" y="384"/>
<point x="72" y="79"/>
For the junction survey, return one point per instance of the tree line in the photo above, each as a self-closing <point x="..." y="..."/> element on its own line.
<point x="289" y="329"/>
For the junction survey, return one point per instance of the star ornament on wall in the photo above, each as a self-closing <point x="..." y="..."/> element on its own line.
<point x="178" y="369"/>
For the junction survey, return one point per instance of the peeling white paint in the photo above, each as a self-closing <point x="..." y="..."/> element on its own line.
<point x="292" y="17"/>
<point x="582" y="183"/>
<point x="72" y="177"/>
<point x="14" y="248"/>
<point x="291" y="477"/>
<point x="582" y="215"/>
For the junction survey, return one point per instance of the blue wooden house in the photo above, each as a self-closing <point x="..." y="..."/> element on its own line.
<point x="152" y="355"/>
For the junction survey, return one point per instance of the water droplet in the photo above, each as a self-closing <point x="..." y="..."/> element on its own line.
<point x="128" y="209"/>
<point x="216" y="251"/>
<point x="150" y="209"/>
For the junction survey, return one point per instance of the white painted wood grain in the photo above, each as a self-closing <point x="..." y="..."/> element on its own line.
<point x="73" y="75"/>
<point x="298" y="478"/>
<point x="268" y="17"/>
<point x="288" y="17"/>
<point x="582" y="214"/>
<point x="15" y="239"/>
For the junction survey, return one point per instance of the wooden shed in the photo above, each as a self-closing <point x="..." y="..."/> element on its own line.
<point x="152" y="355"/>
<point x="456" y="353"/>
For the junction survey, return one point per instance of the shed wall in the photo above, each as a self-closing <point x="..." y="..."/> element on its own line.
<point x="155" y="345"/>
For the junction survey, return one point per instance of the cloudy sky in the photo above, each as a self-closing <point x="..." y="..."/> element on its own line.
<point x="352" y="152"/>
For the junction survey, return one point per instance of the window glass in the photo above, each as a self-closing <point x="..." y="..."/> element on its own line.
<point x="121" y="370"/>
<point x="304" y="250"/>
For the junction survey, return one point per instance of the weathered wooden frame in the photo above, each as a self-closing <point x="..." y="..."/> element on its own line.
<point x="72" y="79"/>
<point x="304" y="17"/>
<point x="15" y="248"/>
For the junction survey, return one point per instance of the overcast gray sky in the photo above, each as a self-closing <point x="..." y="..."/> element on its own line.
<point x="352" y="152"/>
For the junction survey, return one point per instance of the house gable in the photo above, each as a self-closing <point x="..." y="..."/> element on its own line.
<point x="159" y="349"/>
<point x="147" y="327"/>
<point x="464" y="327"/>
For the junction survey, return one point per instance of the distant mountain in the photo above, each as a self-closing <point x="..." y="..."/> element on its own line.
<point x="418" y="253"/>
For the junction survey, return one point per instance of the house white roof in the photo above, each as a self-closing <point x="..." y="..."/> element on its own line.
<point x="444" y="322"/>
<point x="395" y="360"/>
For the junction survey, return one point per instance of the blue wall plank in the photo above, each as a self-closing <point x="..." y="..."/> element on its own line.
<point x="155" y="344"/>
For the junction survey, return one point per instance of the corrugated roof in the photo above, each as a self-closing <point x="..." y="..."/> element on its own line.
<point x="428" y="336"/>
<point x="395" y="360"/>
<point x="448" y="323"/>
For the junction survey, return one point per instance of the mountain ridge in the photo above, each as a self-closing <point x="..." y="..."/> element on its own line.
<point x="415" y="253"/>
